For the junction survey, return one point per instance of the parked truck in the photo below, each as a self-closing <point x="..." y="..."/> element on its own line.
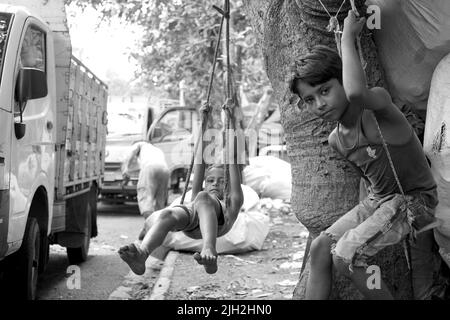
<point x="52" y="140"/>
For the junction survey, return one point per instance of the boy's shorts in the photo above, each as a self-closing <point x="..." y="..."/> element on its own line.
<point x="192" y="230"/>
<point x="371" y="226"/>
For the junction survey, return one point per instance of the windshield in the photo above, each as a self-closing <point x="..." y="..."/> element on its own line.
<point x="123" y="125"/>
<point x="5" y="19"/>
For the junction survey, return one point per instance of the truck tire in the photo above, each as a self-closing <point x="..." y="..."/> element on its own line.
<point x="26" y="272"/>
<point x="93" y="201"/>
<point x="45" y="254"/>
<point x="80" y="254"/>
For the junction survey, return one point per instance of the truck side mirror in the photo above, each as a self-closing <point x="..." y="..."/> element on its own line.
<point x="19" y="130"/>
<point x="31" y="84"/>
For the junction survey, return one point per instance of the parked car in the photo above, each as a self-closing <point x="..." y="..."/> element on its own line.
<point x="172" y="132"/>
<point x="124" y="129"/>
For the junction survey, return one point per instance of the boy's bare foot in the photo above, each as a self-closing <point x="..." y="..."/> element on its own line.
<point x="207" y="258"/>
<point x="134" y="257"/>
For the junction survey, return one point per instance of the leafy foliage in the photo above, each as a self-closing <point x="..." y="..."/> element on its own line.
<point x="179" y="42"/>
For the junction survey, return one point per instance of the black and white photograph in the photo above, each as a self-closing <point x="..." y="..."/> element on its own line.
<point x="234" y="158"/>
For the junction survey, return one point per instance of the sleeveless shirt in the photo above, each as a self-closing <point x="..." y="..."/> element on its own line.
<point x="409" y="161"/>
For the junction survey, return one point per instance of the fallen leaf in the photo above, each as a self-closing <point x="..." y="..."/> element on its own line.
<point x="108" y="247"/>
<point x="192" y="289"/>
<point x="298" y="255"/>
<point x="239" y="259"/>
<point x="291" y="265"/>
<point x="287" y="283"/>
<point x="304" y="234"/>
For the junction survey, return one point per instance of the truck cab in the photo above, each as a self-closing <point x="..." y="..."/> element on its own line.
<point x="27" y="132"/>
<point x="52" y="129"/>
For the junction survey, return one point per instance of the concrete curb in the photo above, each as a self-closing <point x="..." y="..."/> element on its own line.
<point x="165" y="277"/>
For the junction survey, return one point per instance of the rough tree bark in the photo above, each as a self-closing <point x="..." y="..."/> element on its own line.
<point x="324" y="186"/>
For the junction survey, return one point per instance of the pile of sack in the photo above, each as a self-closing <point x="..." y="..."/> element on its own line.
<point x="247" y="234"/>
<point x="264" y="177"/>
<point x="269" y="176"/>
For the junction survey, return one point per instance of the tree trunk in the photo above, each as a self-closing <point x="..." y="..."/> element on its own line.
<point x="324" y="186"/>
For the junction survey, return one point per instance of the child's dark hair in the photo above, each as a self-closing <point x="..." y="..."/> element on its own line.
<point x="318" y="65"/>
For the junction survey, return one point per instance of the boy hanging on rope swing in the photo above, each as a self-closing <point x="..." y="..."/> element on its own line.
<point x="376" y="138"/>
<point x="206" y="217"/>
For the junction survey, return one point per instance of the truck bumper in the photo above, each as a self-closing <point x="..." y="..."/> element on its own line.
<point x="114" y="192"/>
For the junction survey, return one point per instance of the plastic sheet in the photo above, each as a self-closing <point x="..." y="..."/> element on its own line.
<point x="413" y="38"/>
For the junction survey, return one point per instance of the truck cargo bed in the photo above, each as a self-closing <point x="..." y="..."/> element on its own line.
<point x="82" y="130"/>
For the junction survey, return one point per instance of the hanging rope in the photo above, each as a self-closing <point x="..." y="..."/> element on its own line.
<point x="207" y="107"/>
<point x="227" y="107"/>
<point x="333" y="26"/>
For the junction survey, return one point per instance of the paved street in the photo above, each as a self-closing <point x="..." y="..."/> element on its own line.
<point x="104" y="271"/>
<point x="270" y="273"/>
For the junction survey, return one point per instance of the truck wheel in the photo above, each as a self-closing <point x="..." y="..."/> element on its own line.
<point x="28" y="261"/>
<point x="45" y="253"/>
<point x="80" y="254"/>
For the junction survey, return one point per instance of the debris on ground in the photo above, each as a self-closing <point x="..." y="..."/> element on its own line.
<point x="269" y="273"/>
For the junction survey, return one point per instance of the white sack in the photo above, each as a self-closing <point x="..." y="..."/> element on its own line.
<point x="247" y="234"/>
<point x="269" y="176"/>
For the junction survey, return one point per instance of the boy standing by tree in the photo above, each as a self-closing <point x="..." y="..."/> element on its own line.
<point x="336" y="90"/>
<point x="205" y="217"/>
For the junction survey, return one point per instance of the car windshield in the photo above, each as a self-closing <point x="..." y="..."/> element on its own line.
<point x="5" y="19"/>
<point x="122" y="125"/>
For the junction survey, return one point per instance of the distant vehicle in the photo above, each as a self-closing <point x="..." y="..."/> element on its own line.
<point x="124" y="129"/>
<point x="52" y="140"/>
<point x="172" y="132"/>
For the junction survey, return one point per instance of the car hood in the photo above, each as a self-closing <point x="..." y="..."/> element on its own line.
<point x="117" y="152"/>
<point x="118" y="146"/>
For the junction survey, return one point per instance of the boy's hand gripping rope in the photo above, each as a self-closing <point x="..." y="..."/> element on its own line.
<point x="333" y="26"/>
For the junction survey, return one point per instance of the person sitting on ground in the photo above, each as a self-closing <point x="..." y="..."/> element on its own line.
<point x="336" y="90"/>
<point x="205" y="217"/>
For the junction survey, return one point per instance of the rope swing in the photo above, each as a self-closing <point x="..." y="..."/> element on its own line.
<point x="227" y="107"/>
<point x="333" y="26"/>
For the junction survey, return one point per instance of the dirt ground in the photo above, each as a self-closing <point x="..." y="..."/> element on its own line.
<point x="268" y="274"/>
